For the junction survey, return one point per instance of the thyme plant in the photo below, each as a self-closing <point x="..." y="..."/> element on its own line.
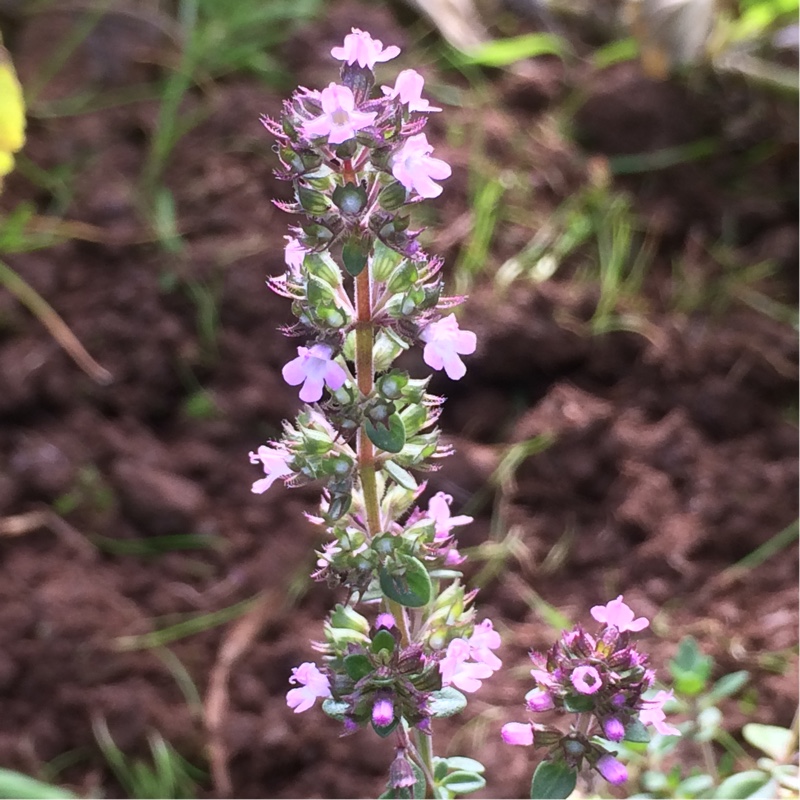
<point x="405" y="645"/>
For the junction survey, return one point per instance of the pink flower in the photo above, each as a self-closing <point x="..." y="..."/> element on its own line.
<point x="586" y="680"/>
<point x="385" y="620"/>
<point x="444" y="343"/>
<point x="314" y="368"/>
<point x="413" y="166"/>
<point x="612" y="770"/>
<point x="539" y="700"/>
<point x="294" y="253"/>
<point x="439" y="514"/>
<point x="457" y="671"/>
<point x="360" y="47"/>
<point x="618" y="615"/>
<point x="275" y="463"/>
<point x="313" y="685"/>
<point x="518" y="733"/>
<point x="484" y="639"/>
<point x="382" y="712"/>
<point x="340" y="119"/>
<point x="408" y="87"/>
<point x="653" y="714"/>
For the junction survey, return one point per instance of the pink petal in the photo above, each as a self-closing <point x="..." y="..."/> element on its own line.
<point x="294" y="373"/>
<point x="454" y="367"/>
<point x="432" y="357"/>
<point x="335" y="376"/>
<point x="312" y="389"/>
<point x="465" y="342"/>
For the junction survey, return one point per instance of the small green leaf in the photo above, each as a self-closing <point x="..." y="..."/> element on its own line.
<point x="742" y="785"/>
<point x="774" y="741"/>
<point x="410" y="585"/>
<point x="446" y="703"/>
<point x="386" y="730"/>
<point x="357" y="666"/>
<point x="315" y="203"/>
<point x="389" y="437"/>
<point x="334" y="708"/>
<point x="465" y="764"/>
<point x="383" y="640"/>
<point x="462" y="782"/>
<point x="402" y="476"/>
<point x="690" y="668"/>
<point x="695" y="786"/>
<point x="635" y="731"/>
<point x="354" y="255"/>
<point x="578" y="703"/>
<point x="728" y="685"/>
<point x="553" y="781"/>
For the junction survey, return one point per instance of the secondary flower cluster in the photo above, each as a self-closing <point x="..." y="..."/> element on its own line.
<point x="602" y="679"/>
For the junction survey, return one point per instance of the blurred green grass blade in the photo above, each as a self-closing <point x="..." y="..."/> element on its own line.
<point x="773" y="546"/>
<point x="16" y="785"/>
<point x="184" y="680"/>
<point x="155" y="545"/>
<point x="615" y="53"/>
<point x="185" y="628"/>
<point x="661" y="159"/>
<point x="503" y="52"/>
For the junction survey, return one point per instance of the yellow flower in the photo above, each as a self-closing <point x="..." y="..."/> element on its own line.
<point x="12" y="114"/>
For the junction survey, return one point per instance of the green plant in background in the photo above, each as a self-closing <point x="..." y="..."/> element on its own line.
<point x="216" y="39"/>
<point x="600" y="216"/>
<point x="168" y="775"/>
<point x="19" y="786"/>
<point x="729" y="770"/>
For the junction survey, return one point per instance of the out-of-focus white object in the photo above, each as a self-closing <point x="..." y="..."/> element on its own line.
<point x="457" y="20"/>
<point x="671" y="33"/>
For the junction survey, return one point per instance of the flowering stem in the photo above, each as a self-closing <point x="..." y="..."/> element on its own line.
<point x="365" y="335"/>
<point x="365" y="378"/>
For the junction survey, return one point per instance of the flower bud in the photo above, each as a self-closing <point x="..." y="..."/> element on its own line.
<point x="612" y="770"/>
<point x="322" y="267"/>
<point x="391" y="386"/>
<point x="350" y="199"/>
<point x="313" y="202"/>
<point x="517" y="733"/>
<point x="384" y="260"/>
<point x="382" y="711"/>
<point x="403" y="278"/>
<point x="346" y="617"/>
<point x="539" y="700"/>
<point x="614" y="729"/>
<point x="414" y="418"/>
<point x="393" y="196"/>
<point x="401" y="773"/>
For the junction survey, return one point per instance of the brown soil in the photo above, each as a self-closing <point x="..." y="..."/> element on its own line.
<point x="673" y="454"/>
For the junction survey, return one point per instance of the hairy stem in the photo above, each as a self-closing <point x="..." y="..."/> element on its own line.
<point x="365" y="378"/>
<point x="365" y="338"/>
